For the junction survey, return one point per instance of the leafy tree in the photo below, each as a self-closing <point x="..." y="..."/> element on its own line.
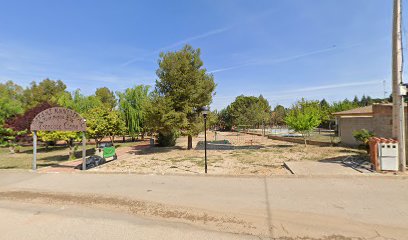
<point x="106" y="96"/>
<point x="324" y="104"/>
<point x="46" y="91"/>
<point x="10" y="101"/>
<point x="263" y="110"/>
<point x="342" y="106"/>
<point x="183" y="87"/>
<point x="304" y="117"/>
<point x="249" y="110"/>
<point x="279" y="115"/>
<point x="67" y="136"/>
<point x="9" y="138"/>
<point x="356" y="101"/>
<point x="225" y="119"/>
<point x="369" y="101"/>
<point x="101" y="122"/>
<point x="212" y="119"/>
<point x="23" y="122"/>
<point x="79" y="102"/>
<point x="134" y="104"/>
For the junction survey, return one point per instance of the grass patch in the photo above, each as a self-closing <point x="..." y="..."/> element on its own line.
<point x="50" y="156"/>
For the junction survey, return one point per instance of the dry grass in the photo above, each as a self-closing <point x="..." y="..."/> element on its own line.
<point x="45" y="157"/>
<point x="247" y="154"/>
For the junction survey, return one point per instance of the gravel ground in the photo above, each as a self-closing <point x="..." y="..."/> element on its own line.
<point x="231" y="154"/>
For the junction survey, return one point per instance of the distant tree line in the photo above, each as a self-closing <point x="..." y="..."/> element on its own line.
<point x="256" y="111"/>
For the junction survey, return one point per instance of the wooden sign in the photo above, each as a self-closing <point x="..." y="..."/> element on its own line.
<point x="58" y="119"/>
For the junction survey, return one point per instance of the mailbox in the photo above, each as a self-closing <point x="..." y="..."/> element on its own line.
<point x="388" y="156"/>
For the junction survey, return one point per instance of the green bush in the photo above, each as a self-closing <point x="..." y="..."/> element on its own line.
<point x="167" y="139"/>
<point x="363" y="135"/>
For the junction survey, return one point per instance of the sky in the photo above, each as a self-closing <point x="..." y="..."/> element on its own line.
<point x="282" y="49"/>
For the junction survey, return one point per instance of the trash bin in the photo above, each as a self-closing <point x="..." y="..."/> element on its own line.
<point x="151" y="141"/>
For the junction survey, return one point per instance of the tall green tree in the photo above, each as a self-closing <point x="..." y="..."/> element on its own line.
<point x="10" y="100"/>
<point x="356" y="101"/>
<point x="134" y="104"/>
<point x="69" y="137"/>
<point x="249" y="110"/>
<point x="304" y="117"/>
<point x="79" y="102"/>
<point x="183" y="87"/>
<point x="102" y="122"/>
<point x="279" y="115"/>
<point x="107" y="97"/>
<point x="46" y="91"/>
<point x="225" y="119"/>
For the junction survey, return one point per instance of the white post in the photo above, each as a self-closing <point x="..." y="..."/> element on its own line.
<point x="34" y="150"/>
<point x="83" y="151"/>
<point x="398" y="130"/>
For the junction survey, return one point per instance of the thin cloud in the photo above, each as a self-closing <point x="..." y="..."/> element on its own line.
<point x="201" y="36"/>
<point x="187" y="40"/>
<point x="285" y="59"/>
<point x="294" y="93"/>
<point x="336" y="86"/>
<point x="204" y="35"/>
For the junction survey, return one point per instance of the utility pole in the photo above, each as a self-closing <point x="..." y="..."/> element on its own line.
<point x="398" y="90"/>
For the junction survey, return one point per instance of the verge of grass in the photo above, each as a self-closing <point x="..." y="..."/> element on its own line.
<point x="45" y="156"/>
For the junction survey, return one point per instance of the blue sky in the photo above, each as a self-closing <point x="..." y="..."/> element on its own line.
<point x="283" y="49"/>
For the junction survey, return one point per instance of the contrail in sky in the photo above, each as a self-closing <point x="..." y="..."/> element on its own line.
<point x="285" y="59"/>
<point x="207" y="34"/>
<point x="201" y="36"/>
<point x="310" y="89"/>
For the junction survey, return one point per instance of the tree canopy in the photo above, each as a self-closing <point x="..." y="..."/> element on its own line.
<point x="134" y="104"/>
<point x="183" y="87"/>
<point x="106" y="97"/>
<point x="46" y="91"/>
<point x="10" y="101"/>
<point x="247" y="110"/>
<point x="304" y="117"/>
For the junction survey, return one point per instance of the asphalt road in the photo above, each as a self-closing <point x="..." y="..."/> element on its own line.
<point x="122" y="206"/>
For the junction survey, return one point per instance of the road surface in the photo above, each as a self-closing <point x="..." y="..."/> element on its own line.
<point x="131" y="206"/>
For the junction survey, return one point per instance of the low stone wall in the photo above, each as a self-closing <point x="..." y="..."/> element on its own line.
<point x="300" y="141"/>
<point x="294" y="140"/>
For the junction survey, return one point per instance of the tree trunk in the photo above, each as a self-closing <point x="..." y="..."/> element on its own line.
<point x="123" y="139"/>
<point x="190" y="142"/>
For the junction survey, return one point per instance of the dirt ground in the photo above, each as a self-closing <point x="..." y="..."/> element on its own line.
<point x="228" y="154"/>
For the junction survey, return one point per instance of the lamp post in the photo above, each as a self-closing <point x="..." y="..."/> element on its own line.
<point x="205" y="111"/>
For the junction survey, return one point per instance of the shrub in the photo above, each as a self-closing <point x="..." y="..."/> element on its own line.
<point x="167" y="139"/>
<point x="363" y="135"/>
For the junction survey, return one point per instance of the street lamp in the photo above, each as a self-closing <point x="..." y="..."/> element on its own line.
<point x="205" y="111"/>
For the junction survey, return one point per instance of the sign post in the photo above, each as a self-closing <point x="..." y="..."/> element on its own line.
<point x="83" y="151"/>
<point x="34" y="150"/>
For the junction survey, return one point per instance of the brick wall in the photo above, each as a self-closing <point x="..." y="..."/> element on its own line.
<point x="349" y="124"/>
<point x="380" y="124"/>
